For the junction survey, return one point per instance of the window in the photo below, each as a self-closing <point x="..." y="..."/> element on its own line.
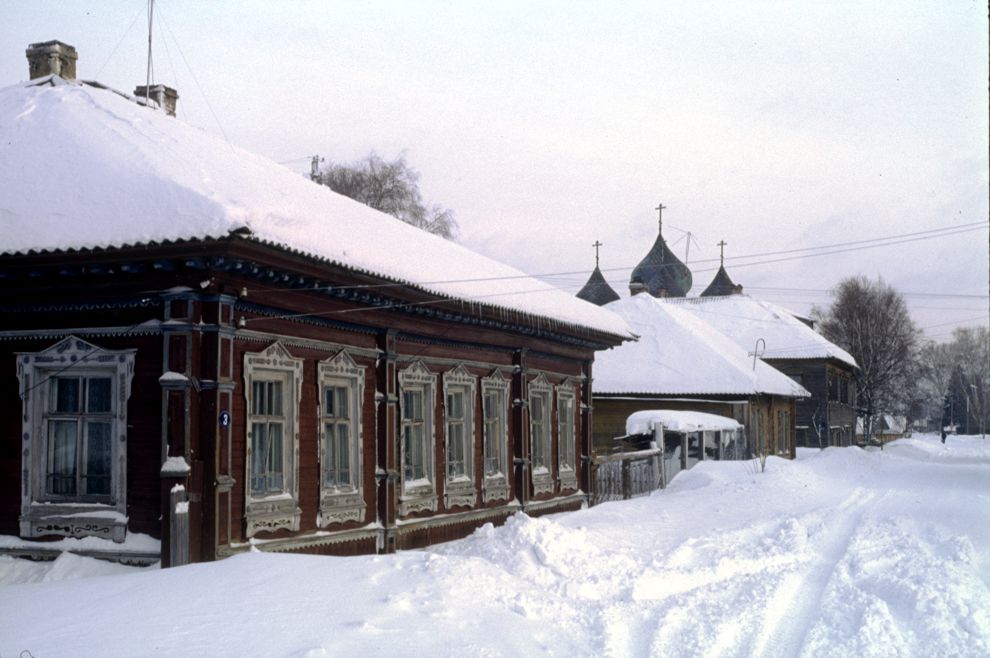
<point x="272" y="386"/>
<point x="495" y="409"/>
<point x="539" y="434"/>
<point x="459" y="393"/>
<point x="341" y="385"/>
<point x="417" y="386"/>
<point x="267" y="429"/>
<point x="566" y="437"/>
<point x="75" y="440"/>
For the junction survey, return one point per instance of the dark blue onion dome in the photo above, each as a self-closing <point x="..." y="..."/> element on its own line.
<point x="660" y="273"/>
<point x="721" y="285"/>
<point x="597" y="291"/>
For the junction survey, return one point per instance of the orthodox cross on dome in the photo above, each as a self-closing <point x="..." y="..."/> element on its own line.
<point x="721" y="251"/>
<point x="596" y="245"/>
<point x="660" y="208"/>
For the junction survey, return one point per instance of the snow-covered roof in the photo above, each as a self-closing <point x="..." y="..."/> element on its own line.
<point x="746" y="320"/>
<point x="85" y="167"/>
<point x="643" y="422"/>
<point x="678" y="353"/>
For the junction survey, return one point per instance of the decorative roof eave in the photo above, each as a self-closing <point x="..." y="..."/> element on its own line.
<point x="429" y="296"/>
<point x="506" y="317"/>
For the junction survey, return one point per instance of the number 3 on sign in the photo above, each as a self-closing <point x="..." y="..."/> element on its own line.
<point x="225" y="419"/>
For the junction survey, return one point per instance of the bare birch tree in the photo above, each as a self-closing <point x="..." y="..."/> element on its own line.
<point x="870" y="320"/>
<point x="391" y="187"/>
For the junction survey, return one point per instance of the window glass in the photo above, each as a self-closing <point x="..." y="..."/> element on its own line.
<point x="98" y="395"/>
<point x="67" y="394"/>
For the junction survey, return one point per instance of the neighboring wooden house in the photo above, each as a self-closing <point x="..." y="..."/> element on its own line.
<point x="682" y="363"/>
<point x="886" y="428"/>
<point x="792" y="346"/>
<point x="211" y="350"/>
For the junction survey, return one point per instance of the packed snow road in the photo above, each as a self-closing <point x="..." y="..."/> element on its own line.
<point x="841" y="553"/>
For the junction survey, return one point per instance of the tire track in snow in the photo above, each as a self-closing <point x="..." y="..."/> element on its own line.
<point x="794" y="608"/>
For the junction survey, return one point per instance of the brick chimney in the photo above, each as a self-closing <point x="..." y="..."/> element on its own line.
<point x="52" y="58"/>
<point x="166" y="97"/>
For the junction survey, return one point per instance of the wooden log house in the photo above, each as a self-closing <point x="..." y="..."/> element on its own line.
<point x="215" y="352"/>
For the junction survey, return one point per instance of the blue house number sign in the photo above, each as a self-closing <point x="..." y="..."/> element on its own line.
<point x="224" y="418"/>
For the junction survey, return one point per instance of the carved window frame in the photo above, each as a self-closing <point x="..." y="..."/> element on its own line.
<point x="45" y="514"/>
<point x="567" y="436"/>
<point x="540" y="431"/>
<point x="460" y="490"/>
<point x="271" y="512"/>
<point x="421" y="494"/>
<point x="495" y="486"/>
<point x="342" y="503"/>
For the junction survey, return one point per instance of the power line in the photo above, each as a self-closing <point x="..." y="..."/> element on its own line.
<point x="885" y="241"/>
<point x="195" y="79"/>
<point x="114" y="51"/>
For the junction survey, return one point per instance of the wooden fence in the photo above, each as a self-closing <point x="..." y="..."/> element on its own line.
<point x="625" y="475"/>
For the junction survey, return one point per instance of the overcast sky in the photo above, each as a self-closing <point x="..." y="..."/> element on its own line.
<point x="547" y="126"/>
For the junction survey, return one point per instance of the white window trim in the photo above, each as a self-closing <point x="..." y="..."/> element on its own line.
<point x="542" y="476"/>
<point x="566" y="446"/>
<point x="42" y="514"/>
<point x="461" y="491"/>
<point x="340" y="504"/>
<point x="275" y="511"/>
<point x="420" y="497"/>
<point x="496" y="487"/>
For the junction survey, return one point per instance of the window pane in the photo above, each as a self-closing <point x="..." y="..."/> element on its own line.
<point x="329" y="455"/>
<point x="342" y="406"/>
<point x="62" y="457"/>
<point x="275" y="406"/>
<point x="66" y="394"/>
<point x="343" y="455"/>
<point x="413" y="454"/>
<point x="258" y="398"/>
<point x="536" y="408"/>
<point x="98" y="395"/>
<point x="275" y="475"/>
<point x="97" y="451"/>
<point x="258" y="435"/>
<point x="412" y="407"/>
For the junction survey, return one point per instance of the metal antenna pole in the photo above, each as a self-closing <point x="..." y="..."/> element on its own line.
<point x="147" y="83"/>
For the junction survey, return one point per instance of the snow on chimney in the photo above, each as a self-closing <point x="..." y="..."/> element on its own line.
<point x="52" y="58"/>
<point x="166" y="97"/>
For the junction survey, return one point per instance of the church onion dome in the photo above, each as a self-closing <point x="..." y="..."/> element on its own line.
<point x="597" y="291"/>
<point x="721" y="285"/>
<point x="660" y="273"/>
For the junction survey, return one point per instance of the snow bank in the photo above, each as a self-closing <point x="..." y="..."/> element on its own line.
<point x="842" y="552"/>
<point x="129" y="175"/>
